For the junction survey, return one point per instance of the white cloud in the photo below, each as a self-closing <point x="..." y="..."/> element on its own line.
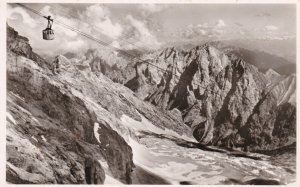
<point x="203" y="32"/>
<point x="97" y="12"/>
<point x="93" y="21"/>
<point x="12" y="14"/>
<point x="99" y="17"/>
<point x="220" y="23"/>
<point x="46" y="10"/>
<point x="271" y="28"/>
<point x="218" y="30"/>
<point x="73" y="46"/>
<point x="148" y="9"/>
<point x="142" y="34"/>
<point x="205" y="25"/>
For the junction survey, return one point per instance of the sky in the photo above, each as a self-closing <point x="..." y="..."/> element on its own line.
<point x="151" y="26"/>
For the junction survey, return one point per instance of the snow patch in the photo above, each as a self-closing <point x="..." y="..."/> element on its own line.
<point x="111" y="180"/>
<point x="17" y="96"/>
<point x="103" y="164"/>
<point x="108" y="178"/>
<point x="141" y="155"/>
<point x="34" y="138"/>
<point x="255" y="171"/>
<point x="34" y="119"/>
<point x="96" y="134"/>
<point x="43" y="138"/>
<point x="176" y="170"/>
<point x="146" y="125"/>
<point x="24" y="110"/>
<point x="172" y="171"/>
<point x="10" y="118"/>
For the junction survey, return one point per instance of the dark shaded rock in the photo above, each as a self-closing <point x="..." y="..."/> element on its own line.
<point x="142" y="176"/>
<point x="94" y="174"/>
<point x="262" y="182"/>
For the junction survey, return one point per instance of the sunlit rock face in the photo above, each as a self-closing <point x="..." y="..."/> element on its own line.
<point x="226" y="101"/>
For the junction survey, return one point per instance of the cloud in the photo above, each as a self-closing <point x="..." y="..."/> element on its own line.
<point x="46" y="10"/>
<point x="271" y="28"/>
<point x="73" y="46"/>
<point x="220" y="23"/>
<point x="148" y="9"/>
<point x="141" y="33"/>
<point x="241" y="32"/>
<point x="95" y="20"/>
<point x="12" y="14"/>
<point x="65" y="39"/>
<point x="196" y="30"/>
<point x="219" y="28"/>
<point x="97" y="12"/>
<point x="203" y="32"/>
<point x="99" y="17"/>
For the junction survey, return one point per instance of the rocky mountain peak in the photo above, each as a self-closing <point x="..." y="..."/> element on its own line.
<point x="20" y="45"/>
<point x="217" y="93"/>
<point x="61" y="63"/>
<point x="272" y="74"/>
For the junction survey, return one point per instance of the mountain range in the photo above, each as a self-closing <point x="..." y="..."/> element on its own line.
<point x="205" y="116"/>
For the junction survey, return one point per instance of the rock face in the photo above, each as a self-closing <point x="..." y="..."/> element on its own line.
<point x="108" y="63"/>
<point x="226" y="101"/>
<point x="66" y="123"/>
<point x="63" y="121"/>
<point x="20" y="46"/>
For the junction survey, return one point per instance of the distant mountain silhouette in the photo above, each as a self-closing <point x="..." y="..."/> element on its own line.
<point x="264" y="61"/>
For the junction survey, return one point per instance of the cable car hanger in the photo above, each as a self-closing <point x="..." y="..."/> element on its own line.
<point x="48" y="33"/>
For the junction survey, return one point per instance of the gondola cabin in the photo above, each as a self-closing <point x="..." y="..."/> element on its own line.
<point x="48" y="33"/>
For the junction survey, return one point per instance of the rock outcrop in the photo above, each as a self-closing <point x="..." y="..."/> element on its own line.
<point x="226" y="101"/>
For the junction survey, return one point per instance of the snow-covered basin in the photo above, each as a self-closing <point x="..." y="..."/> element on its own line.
<point x="158" y="153"/>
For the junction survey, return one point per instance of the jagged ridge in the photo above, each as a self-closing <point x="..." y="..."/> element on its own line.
<point x="219" y="96"/>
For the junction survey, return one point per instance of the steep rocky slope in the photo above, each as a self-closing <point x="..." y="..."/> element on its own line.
<point x="226" y="101"/>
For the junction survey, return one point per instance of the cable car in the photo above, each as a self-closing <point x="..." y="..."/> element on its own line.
<point x="48" y="33"/>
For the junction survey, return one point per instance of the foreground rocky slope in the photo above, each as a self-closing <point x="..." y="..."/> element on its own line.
<point x="226" y="101"/>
